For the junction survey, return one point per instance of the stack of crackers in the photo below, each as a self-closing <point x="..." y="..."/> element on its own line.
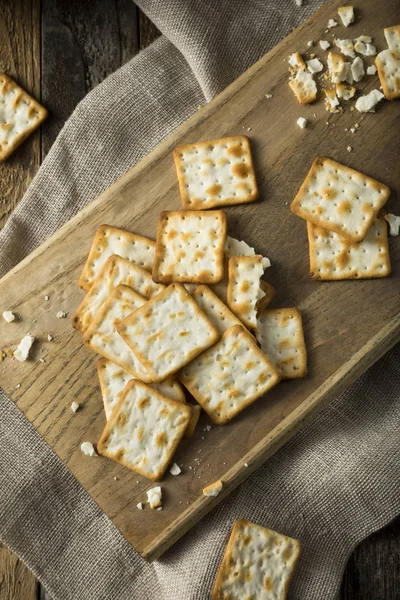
<point x="347" y="232"/>
<point x="189" y="309"/>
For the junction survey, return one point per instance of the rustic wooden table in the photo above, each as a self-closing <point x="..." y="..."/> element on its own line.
<point x="59" y="50"/>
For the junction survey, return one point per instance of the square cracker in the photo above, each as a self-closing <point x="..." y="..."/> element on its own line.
<point x="115" y="271"/>
<point x="258" y="563"/>
<point x="340" y="199"/>
<point x="333" y="257"/>
<point x="388" y="65"/>
<point x="101" y="336"/>
<point x="244" y="287"/>
<point x="111" y="240"/>
<point x="144" y="430"/>
<point x="20" y="115"/>
<point x="113" y="380"/>
<point x="228" y="377"/>
<point x="216" y="173"/>
<point x="168" y="332"/>
<point x="190" y="246"/>
<point x="281" y="337"/>
<point x="219" y="314"/>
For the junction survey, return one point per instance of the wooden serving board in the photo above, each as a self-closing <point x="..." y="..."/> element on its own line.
<point x="348" y="325"/>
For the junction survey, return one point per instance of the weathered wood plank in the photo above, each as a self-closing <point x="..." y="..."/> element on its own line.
<point x="16" y="581"/>
<point x="82" y="43"/>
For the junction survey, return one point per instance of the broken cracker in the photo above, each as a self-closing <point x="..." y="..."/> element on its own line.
<point x="195" y="416"/>
<point x="216" y="173"/>
<point x="281" y="337"/>
<point x="388" y="65"/>
<point x="340" y="199"/>
<point x="168" y="332"/>
<point x="244" y="287"/>
<point x="269" y="295"/>
<point x="20" y="115"/>
<point x="230" y="375"/>
<point x="115" y="271"/>
<point x="144" y="430"/>
<point x="110" y="240"/>
<point x="392" y="36"/>
<point x="304" y="87"/>
<point x="332" y="257"/>
<point x="190" y="247"/>
<point x="258" y="563"/>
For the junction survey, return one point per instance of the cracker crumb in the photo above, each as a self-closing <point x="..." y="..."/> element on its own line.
<point x="61" y="314"/>
<point x="324" y="44"/>
<point x="302" y="122"/>
<point x="46" y="298"/>
<point x="368" y="102"/>
<point x="349" y="149"/>
<point x="88" y="449"/>
<point x="199" y="107"/>
<point x="332" y="23"/>
<point x="75" y="406"/>
<point x="8" y="316"/>
<point x="22" y="352"/>
<point x="246" y="465"/>
<point x="140" y="505"/>
<point x="154" y="497"/>
<point x="371" y="70"/>
<point x="17" y="386"/>
<point x="41" y="360"/>
<point x="115" y="478"/>
<point x="50" y="337"/>
<point x="248" y="128"/>
<point x="159" y="508"/>
<point x="213" y="489"/>
<point x="299" y="2"/>
<point x="352" y="130"/>
<point x="175" y="470"/>
<point x="310" y="43"/>
<point x="394" y="223"/>
<point x="268" y="95"/>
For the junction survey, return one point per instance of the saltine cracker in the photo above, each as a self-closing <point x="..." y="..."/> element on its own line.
<point x="167" y="332"/>
<point x="218" y="313"/>
<point x="230" y="375"/>
<point x="216" y="173"/>
<point x="244" y="287"/>
<point x="340" y="199"/>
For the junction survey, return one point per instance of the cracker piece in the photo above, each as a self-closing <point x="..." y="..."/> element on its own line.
<point x="244" y="287"/>
<point x="144" y="430"/>
<point x="110" y="240"/>
<point x="281" y="337"/>
<point x="388" y="65"/>
<point x="234" y="247"/>
<point x="196" y="410"/>
<point x="168" y="332"/>
<point x="20" y="115"/>
<point x="392" y="35"/>
<point x="304" y="87"/>
<point x="344" y="91"/>
<point x="115" y="271"/>
<point x="101" y="336"/>
<point x="219" y="314"/>
<point x="333" y="257"/>
<point x="339" y="68"/>
<point x="269" y="295"/>
<point x="228" y="377"/>
<point x="216" y="173"/>
<point x="190" y="247"/>
<point x="213" y="489"/>
<point x="331" y="101"/>
<point x="339" y="199"/>
<point x="296" y="62"/>
<point x="346" y="13"/>
<point x="258" y="563"/>
<point x="113" y="380"/>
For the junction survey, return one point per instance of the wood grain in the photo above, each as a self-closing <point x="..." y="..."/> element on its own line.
<point x="340" y="346"/>
<point x="16" y="581"/>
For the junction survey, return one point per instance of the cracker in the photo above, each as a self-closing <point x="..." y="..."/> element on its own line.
<point x="113" y="380"/>
<point x="196" y="410"/>
<point x="244" y="287"/>
<point x="339" y="69"/>
<point x="392" y="35"/>
<point x="219" y="314"/>
<point x="190" y="247"/>
<point x="304" y="87"/>
<point x="340" y="199"/>
<point x="344" y="91"/>
<point x="101" y="336"/>
<point x="258" y="563"/>
<point x="168" y="332"/>
<point x="214" y="489"/>
<point x="281" y="337"/>
<point x="115" y="271"/>
<point x="216" y="173"/>
<point x="234" y="247"/>
<point x="144" y="430"/>
<point x="388" y="65"/>
<point x="333" y="257"/>
<point x="20" y="115"/>
<point x="228" y="377"/>
<point x="269" y="295"/>
<point x="110" y="240"/>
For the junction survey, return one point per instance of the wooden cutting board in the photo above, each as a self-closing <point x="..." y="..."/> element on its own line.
<point x="348" y="325"/>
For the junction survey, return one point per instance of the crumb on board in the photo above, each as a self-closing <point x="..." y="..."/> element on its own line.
<point x="88" y="449"/>
<point x="25" y="345"/>
<point x="75" y="406"/>
<point x="8" y="316"/>
<point x="213" y="489"/>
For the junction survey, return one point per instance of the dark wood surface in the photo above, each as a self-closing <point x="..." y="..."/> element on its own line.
<point x="59" y="50"/>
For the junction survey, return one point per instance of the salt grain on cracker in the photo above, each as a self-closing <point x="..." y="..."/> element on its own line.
<point x="216" y="173"/>
<point x="190" y="247"/>
<point x="334" y="258"/>
<point x="228" y="377"/>
<point x="115" y="271"/>
<point x="244" y="289"/>
<point x="20" y="115"/>
<point x="168" y="332"/>
<point x="340" y="199"/>
<point x="280" y="334"/>
<point x="110" y="240"/>
<point x="144" y="430"/>
<point x="258" y="563"/>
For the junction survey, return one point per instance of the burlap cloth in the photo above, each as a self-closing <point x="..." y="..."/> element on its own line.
<point x="332" y="485"/>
